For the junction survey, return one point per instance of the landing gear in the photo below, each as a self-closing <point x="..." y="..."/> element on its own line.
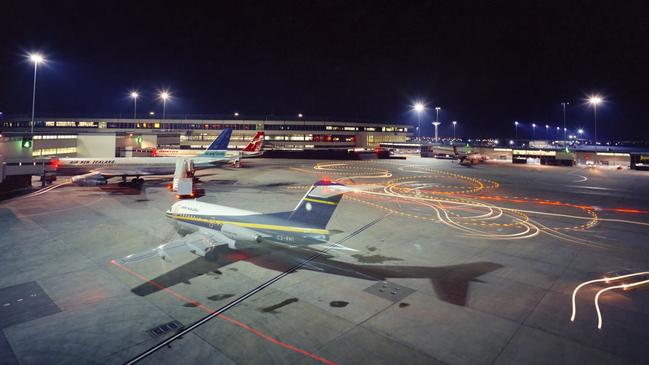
<point x="211" y="254"/>
<point x="135" y="182"/>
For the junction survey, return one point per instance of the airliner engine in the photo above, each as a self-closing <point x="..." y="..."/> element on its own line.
<point x="91" y="179"/>
<point x="240" y="233"/>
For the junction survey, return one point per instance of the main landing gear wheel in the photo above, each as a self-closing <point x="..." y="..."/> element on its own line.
<point x="211" y="254"/>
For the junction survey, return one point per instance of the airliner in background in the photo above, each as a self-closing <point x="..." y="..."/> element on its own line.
<point x="206" y="226"/>
<point x="97" y="171"/>
<point x="252" y="149"/>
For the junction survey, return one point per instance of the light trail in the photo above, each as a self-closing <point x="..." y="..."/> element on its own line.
<point x="372" y="173"/>
<point x="623" y="286"/>
<point x="414" y="188"/>
<point x="578" y="217"/>
<point x="443" y="216"/>
<point x="604" y="280"/>
<point x="42" y="191"/>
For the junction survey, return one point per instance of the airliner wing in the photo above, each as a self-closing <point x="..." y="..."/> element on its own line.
<point x="198" y="243"/>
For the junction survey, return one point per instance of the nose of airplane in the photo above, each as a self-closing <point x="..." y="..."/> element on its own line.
<point x="173" y="209"/>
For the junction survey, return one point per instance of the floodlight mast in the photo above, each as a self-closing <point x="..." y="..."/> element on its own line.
<point x="36" y="59"/>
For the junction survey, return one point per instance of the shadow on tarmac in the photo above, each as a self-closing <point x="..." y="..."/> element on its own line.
<point x="451" y="283"/>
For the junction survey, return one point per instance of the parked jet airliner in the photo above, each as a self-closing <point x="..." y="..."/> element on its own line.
<point x="252" y="149"/>
<point x="97" y="171"/>
<point x="207" y="226"/>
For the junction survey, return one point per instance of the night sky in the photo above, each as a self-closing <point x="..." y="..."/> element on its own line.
<point x="486" y="63"/>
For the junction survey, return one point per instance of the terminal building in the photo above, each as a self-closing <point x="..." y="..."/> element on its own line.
<point x="86" y="137"/>
<point x="23" y="154"/>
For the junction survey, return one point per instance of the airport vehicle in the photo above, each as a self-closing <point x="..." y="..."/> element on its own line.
<point x="97" y="171"/>
<point x="252" y="149"/>
<point x="207" y="226"/>
<point x="467" y="157"/>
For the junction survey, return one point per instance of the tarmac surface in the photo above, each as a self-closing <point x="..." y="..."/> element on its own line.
<point x="450" y="265"/>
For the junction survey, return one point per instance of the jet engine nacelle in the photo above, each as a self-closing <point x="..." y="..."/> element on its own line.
<point x="240" y="233"/>
<point x="89" y="180"/>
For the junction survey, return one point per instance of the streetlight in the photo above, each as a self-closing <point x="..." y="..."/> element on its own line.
<point x="564" y="120"/>
<point x="134" y="96"/>
<point x="151" y="113"/>
<point x="516" y="129"/>
<point x="595" y="100"/>
<point x="300" y="115"/>
<point x="436" y="124"/>
<point x="164" y="95"/>
<point x="533" y="130"/>
<point x="547" y="134"/>
<point x="236" y="114"/>
<point x="36" y="58"/>
<point x="580" y="132"/>
<point x="454" y="124"/>
<point x="565" y="131"/>
<point x="419" y="107"/>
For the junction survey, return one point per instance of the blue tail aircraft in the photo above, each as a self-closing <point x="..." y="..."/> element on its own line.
<point x="97" y="170"/>
<point x="206" y="226"/>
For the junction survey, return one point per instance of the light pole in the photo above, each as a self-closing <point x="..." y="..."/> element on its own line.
<point x="419" y="107"/>
<point x="515" y="129"/>
<point x="564" y="121"/>
<point x="533" y="130"/>
<point x="565" y="142"/>
<point x="436" y="124"/>
<point x="558" y="132"/>
<point x="547" y="133"/>
<point x="454" y="124"/>
<point x="134" y="96"/>
<point x="580" y="132"/>
<point x="437" y="109"/>
<point x="164" y="96"/>
<point x="594" y="101"/>
<point x="36" y="58"/>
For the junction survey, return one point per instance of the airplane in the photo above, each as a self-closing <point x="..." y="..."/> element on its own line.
<point x="252" y="149"/>
<point x="205" y="226"/>
<point x="223" y="235"/>
<point x="97" y="171"/>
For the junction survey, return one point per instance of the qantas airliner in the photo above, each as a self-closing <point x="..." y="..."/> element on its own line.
<point x="252" y="149"/>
